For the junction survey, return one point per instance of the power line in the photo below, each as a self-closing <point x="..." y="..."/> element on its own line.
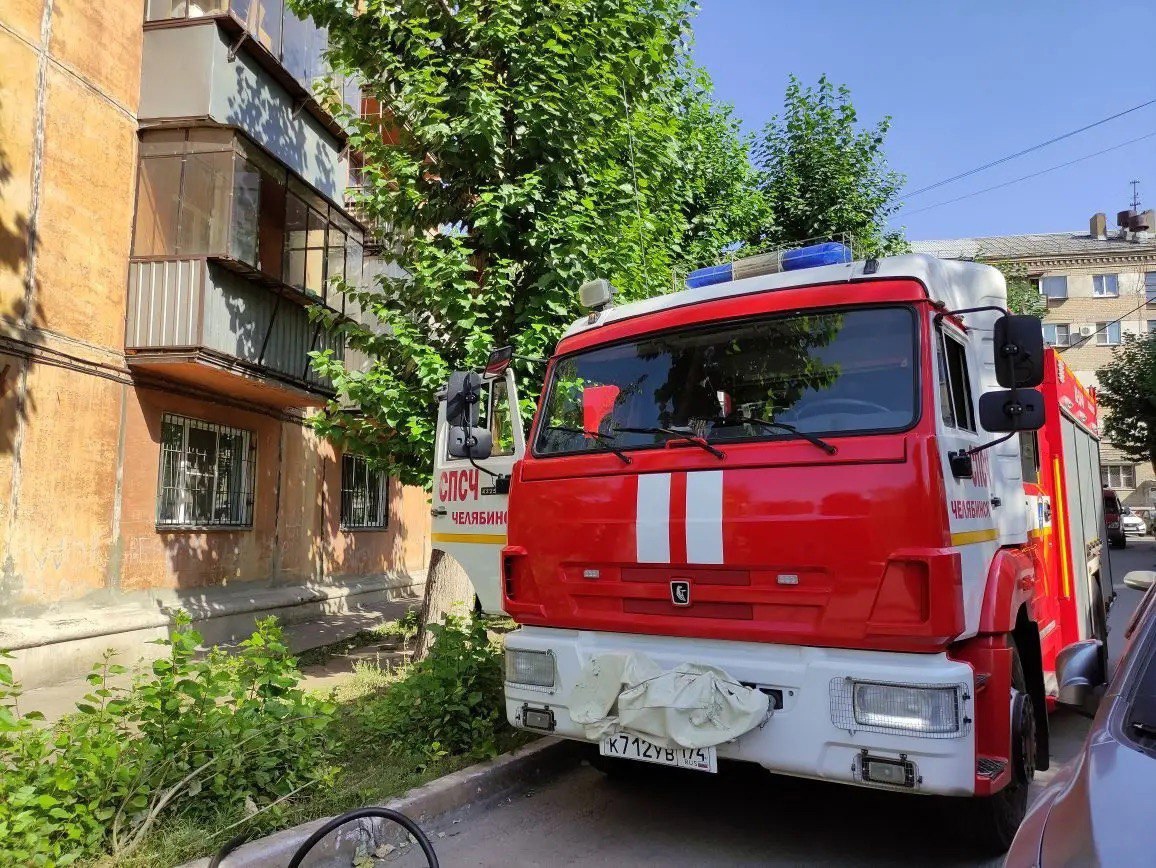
<point x="1052" y="141"/>
<point x="1105" y="326"/>
<point x="1032" y="175"/>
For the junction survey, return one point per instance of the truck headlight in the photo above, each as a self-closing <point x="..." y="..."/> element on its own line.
<point x="535" y="668"/>
<point x="931" y="710"/>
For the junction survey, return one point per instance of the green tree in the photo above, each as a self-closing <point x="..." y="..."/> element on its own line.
<point x="825" y="176"/>
<point x="527" y="147"/>
<point x="1022" y="295"/>
<point x="1128" y="394"/>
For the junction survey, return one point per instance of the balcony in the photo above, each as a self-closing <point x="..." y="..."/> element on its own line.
<point x="229" y="251"/>
<point x="199" y="73"/>
<point x="290" y="48"/>
<point x="197" y="322"/>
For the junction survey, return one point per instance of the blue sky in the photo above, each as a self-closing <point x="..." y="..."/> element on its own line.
<point x="964" y="83"/>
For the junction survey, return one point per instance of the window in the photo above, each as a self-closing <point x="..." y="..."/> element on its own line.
<point x="303" y="50"/>
<point x="1150" y="286"/>
<point x="364" y="495"/>
<point x="1057" y="334"/>
<point x="160" y="10"/>
<point x="498" y="419"/>
<point x="206" y="474"/>
<point x="954" y="388"/>
<point x="1054" y="287"/>
<point x="1107" y="334"/>
<point x="263" y="19"/>
<point x="823" y="373"/>
<point x="209" y="192"/>
<point x="1105" y="285"/>
<point x="305" y="240"/>
<point x="1118" y="476"/>
<point x="1152" y="326"/>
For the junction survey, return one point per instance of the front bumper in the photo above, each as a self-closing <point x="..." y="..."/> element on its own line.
<point x="800" y="738"/>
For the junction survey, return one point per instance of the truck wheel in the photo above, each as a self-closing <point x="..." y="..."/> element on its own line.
<point x="990" y="823"/>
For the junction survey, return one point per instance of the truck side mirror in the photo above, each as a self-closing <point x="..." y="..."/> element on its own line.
<point x="1019" y="352"/>
<point x="1009" y="410"/>
<point x="498" y="361"/>
<point x="1139" y="580"/>
<point x="471" y="442"/>
<point x="1079" y="671"/>
<point x="466" y="439"/>
<point x="463" y="392"/>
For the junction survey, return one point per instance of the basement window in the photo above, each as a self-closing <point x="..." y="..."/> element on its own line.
<point x="364" y="495"/>
<point x="206" y="477"/>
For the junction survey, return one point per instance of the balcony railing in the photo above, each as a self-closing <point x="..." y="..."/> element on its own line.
<point x="197" y="321"/>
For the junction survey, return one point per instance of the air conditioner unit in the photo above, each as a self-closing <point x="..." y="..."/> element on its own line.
<point x="1086" y="331"/>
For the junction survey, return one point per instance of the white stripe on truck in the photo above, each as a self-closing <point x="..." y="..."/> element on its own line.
<point x="652" y="519"/>
<point x="704" y="500"/>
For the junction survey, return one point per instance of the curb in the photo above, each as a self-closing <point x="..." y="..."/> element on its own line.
<point x="474" y="784"/>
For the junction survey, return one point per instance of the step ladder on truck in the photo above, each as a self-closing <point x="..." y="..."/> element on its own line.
<point x="842" y="519"/>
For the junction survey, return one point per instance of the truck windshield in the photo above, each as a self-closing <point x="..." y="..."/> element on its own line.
<point x="844" y="372"/>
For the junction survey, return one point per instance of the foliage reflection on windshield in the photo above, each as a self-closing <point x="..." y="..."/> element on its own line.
<point x="823" y="373"/>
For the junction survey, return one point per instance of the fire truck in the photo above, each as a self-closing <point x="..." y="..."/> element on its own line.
<point x="842" y="519"/>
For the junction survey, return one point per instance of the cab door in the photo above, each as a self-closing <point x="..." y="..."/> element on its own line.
<point x="470" y="497"/>
<point x="970" y="505"/>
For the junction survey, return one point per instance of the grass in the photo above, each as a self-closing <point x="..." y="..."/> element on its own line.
<point x="370" y="778"/>
<point x="365" y="773"/>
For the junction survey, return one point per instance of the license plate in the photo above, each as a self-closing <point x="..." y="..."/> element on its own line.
<point x="632" y="747"/>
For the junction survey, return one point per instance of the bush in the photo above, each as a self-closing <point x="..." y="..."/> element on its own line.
<point x="191" y="736"/>
<point x="448" y="703"/>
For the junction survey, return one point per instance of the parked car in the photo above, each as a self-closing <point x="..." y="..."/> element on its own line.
<point x="1112" y="513"/>
<point x="1098" y="809"/>
<point x="1131" y="523"/>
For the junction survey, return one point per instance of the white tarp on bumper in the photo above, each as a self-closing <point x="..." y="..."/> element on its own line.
<point x="688" y="706"/>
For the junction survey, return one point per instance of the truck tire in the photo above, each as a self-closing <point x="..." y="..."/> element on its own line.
<point x="990" y="822"/>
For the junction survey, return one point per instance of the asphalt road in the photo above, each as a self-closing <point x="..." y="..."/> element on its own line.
<point x="745" y="818"/>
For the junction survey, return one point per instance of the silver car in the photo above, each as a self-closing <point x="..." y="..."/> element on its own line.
<point x="1099" y="809"/>
<point x="1132" y="524"/>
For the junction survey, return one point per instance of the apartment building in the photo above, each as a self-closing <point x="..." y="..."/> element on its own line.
<point x="1100" y="286"/>
<point x="171" y="208"/>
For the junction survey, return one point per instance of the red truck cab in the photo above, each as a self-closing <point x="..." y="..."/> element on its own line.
<point x="784" y="477"/>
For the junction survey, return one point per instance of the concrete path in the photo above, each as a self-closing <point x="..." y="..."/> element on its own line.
<point x="582" y="818"/>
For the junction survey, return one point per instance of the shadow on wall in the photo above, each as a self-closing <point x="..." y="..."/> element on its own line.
<point x="18" y="309"/>
<point x="284" y="130"/>
<point x="296" y="551"/>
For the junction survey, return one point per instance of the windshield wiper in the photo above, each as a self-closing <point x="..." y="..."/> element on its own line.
<point x="783" y="426"/>
<point x="595" y="435"/>
<point x="688" y="436"/>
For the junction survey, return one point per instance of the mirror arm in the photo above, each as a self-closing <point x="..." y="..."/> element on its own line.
<point x="1003" y="439"/>
<point x="483" y="469"/>
<point x="964" y="310"/>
